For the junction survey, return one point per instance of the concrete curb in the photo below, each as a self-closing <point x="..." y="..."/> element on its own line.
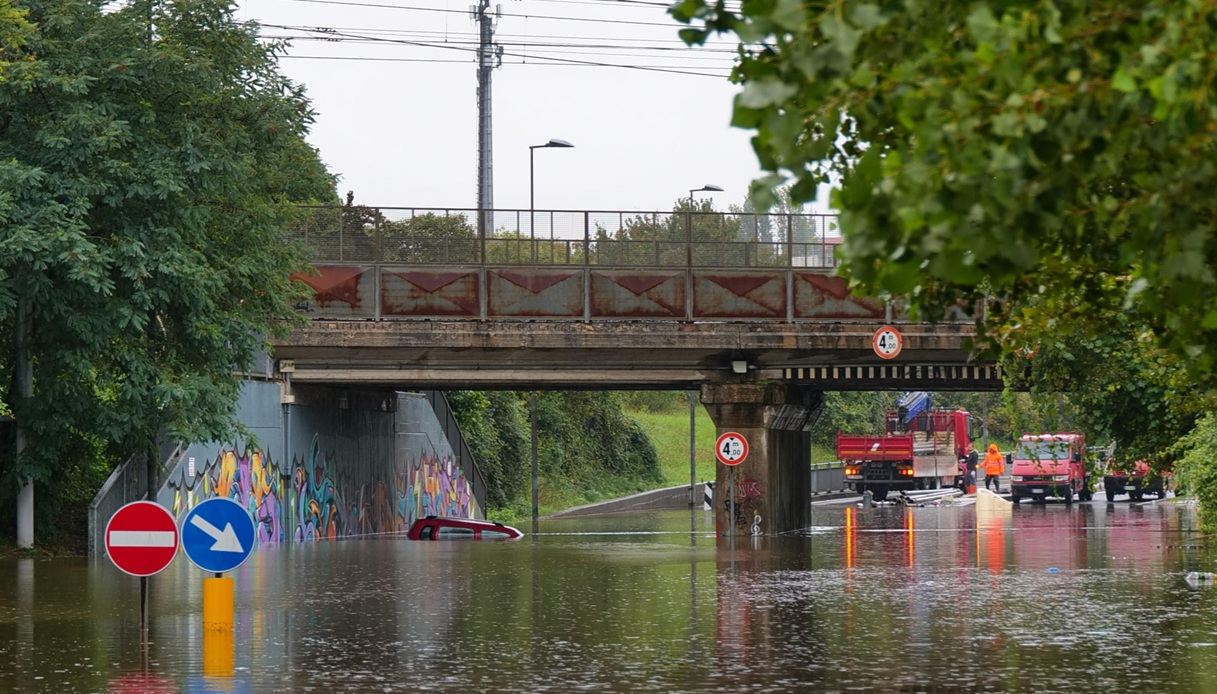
<point x="664" y="499"/>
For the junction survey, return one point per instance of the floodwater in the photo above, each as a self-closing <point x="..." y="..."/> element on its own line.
<point x="1048" y="598"/>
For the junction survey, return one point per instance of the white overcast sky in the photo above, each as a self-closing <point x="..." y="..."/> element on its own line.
<point x="405" y="133"/>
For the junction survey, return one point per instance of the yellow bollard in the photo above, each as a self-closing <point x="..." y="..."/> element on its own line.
<point x="218" y="656"/>
<point x="217" y="604"/>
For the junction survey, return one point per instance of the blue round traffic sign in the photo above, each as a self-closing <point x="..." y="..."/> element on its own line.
<point x="218" y="535"/>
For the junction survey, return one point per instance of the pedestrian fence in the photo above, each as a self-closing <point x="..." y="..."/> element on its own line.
<point x="681" y="239"/>
<point x="128" y="482"/>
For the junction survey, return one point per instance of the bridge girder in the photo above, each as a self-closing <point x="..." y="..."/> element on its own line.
<point x="603" y="355"/>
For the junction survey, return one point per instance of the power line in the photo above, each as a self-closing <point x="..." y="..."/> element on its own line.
<point x="383" y="6"/>
<point x="573" y="61"/>
<point x="560" y="48"/>
<point x="445" y="33"/>
<point x="374" y="59"/>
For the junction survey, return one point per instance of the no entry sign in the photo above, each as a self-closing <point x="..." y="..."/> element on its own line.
<point x="731" y="448"/>
<point x="141" y="538"/>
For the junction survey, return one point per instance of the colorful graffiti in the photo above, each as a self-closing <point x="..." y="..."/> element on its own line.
<point x="322" y="500"/>
<point x="250" y="478"/>
<point x="748" y="500"/>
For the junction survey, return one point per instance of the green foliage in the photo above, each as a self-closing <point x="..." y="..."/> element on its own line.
<point x="655" y="401"/>
<point x="1122" y="387"/>
<point x="587" y="446"/>
<point x="145" y="178"/>
<point x="1056" y="155"/>
<point x="495" y="425"/>
<point x="1195" y="471"/>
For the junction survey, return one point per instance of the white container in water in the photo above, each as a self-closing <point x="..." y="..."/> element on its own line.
<point x="1200" y="578"/>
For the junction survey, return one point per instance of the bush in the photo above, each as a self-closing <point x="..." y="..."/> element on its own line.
<point x="586" y="444"/>
<point x="1196" y="470"/>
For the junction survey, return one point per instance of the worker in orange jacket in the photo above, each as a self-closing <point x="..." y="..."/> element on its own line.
<point x="994" y="465"/>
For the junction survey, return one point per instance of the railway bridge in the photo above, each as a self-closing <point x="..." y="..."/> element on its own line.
<point x="744" y="307"/>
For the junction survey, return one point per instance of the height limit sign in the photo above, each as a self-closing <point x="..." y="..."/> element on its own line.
<point x="731" y="448"/>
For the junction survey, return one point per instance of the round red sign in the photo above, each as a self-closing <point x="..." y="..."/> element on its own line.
<point x="731" y="448"/>
<point x="887" y="342"/>
<point x="142" y="538"/>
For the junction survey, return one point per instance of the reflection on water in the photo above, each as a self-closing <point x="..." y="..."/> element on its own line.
<point x="1043" y="598"/>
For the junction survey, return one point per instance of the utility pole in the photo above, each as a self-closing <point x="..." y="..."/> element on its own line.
<point x="490" y="56"/>
<point x="25" y="390"/>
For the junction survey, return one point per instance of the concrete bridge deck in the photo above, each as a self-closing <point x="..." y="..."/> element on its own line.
<point x="606" y="355"/>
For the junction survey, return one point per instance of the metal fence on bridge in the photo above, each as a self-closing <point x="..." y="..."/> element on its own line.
<point x="682" y="239"/>
<point x="408" y="263"/>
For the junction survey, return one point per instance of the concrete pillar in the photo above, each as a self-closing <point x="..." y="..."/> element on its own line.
<point x="773" y="485"/>
<point x="25" y="515"/>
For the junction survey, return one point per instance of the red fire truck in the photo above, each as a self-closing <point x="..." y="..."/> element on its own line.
<point x="921" y="448"/>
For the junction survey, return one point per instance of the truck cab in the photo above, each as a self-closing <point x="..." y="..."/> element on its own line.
<point x="1044" y="465"/>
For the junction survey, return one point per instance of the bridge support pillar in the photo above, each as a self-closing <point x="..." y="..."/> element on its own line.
<point x="773" y="485"/>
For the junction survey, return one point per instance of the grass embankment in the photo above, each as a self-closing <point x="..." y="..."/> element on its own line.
<point x="669" y="431"/>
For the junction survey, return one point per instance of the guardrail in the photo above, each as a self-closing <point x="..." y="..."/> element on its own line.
<point x="827" y="477"/>
<point x="601" y="238"/>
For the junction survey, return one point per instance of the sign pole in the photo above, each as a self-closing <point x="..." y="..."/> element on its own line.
<point x="143" y="608"/>
<point x="731" y="501"/>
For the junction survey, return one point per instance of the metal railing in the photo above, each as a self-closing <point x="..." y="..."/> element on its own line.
<point x="128" y="482"/>
<point x="456" y="438"/>
<point x="602" y="238"/>
<point x="827" y="477"/>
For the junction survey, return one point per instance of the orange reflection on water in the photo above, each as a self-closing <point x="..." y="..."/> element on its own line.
<point x="851" y="537"/>
<point x="909" y="530"/>
<point x="992" y="527"/>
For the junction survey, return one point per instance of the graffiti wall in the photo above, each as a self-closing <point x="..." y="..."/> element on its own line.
<point x="363" y="465"/>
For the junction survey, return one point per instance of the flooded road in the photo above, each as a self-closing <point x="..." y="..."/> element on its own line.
<point x="1049" y="598"/>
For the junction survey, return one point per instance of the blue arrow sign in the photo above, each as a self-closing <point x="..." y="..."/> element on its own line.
<point x="218" y="535"/>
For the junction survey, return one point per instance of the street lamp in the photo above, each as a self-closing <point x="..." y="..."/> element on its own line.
<point x="708" y="188"/>
<point x="532" y="205"/>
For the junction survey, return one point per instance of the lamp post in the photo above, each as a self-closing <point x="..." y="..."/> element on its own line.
<point x="532" y="205"/>
<point x="708" y="188"/>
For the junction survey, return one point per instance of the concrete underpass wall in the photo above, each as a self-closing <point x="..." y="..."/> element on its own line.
<point x="336" y="463"/>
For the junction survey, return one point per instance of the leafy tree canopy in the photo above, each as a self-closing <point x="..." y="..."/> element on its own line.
<point x="146" y="172"/>
<point x="1056" y="155"/>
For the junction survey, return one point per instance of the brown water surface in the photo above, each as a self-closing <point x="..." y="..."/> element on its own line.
<point x="1048" y="598"/>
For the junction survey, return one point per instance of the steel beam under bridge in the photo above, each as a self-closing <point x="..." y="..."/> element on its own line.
<point x="521" y="355"/>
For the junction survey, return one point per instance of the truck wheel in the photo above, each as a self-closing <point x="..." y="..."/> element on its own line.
<point x="879" y="493"/>
<point x="1015" y="498"/>
<point x="1110" y="489"/>
<point x="1068" y="496"/>
<point x="1136" y="496"/>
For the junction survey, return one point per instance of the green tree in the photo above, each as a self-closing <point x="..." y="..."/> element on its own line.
<point x="146" y="173"/>
<point x="1058" y="156"/>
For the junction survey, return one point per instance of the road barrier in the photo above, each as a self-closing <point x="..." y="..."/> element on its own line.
<point x="827" y="477"/>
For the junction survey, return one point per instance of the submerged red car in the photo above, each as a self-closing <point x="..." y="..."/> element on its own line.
<point x="435" y="528"/>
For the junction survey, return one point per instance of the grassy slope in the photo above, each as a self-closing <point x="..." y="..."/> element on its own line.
<point x="670" y="434"/>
